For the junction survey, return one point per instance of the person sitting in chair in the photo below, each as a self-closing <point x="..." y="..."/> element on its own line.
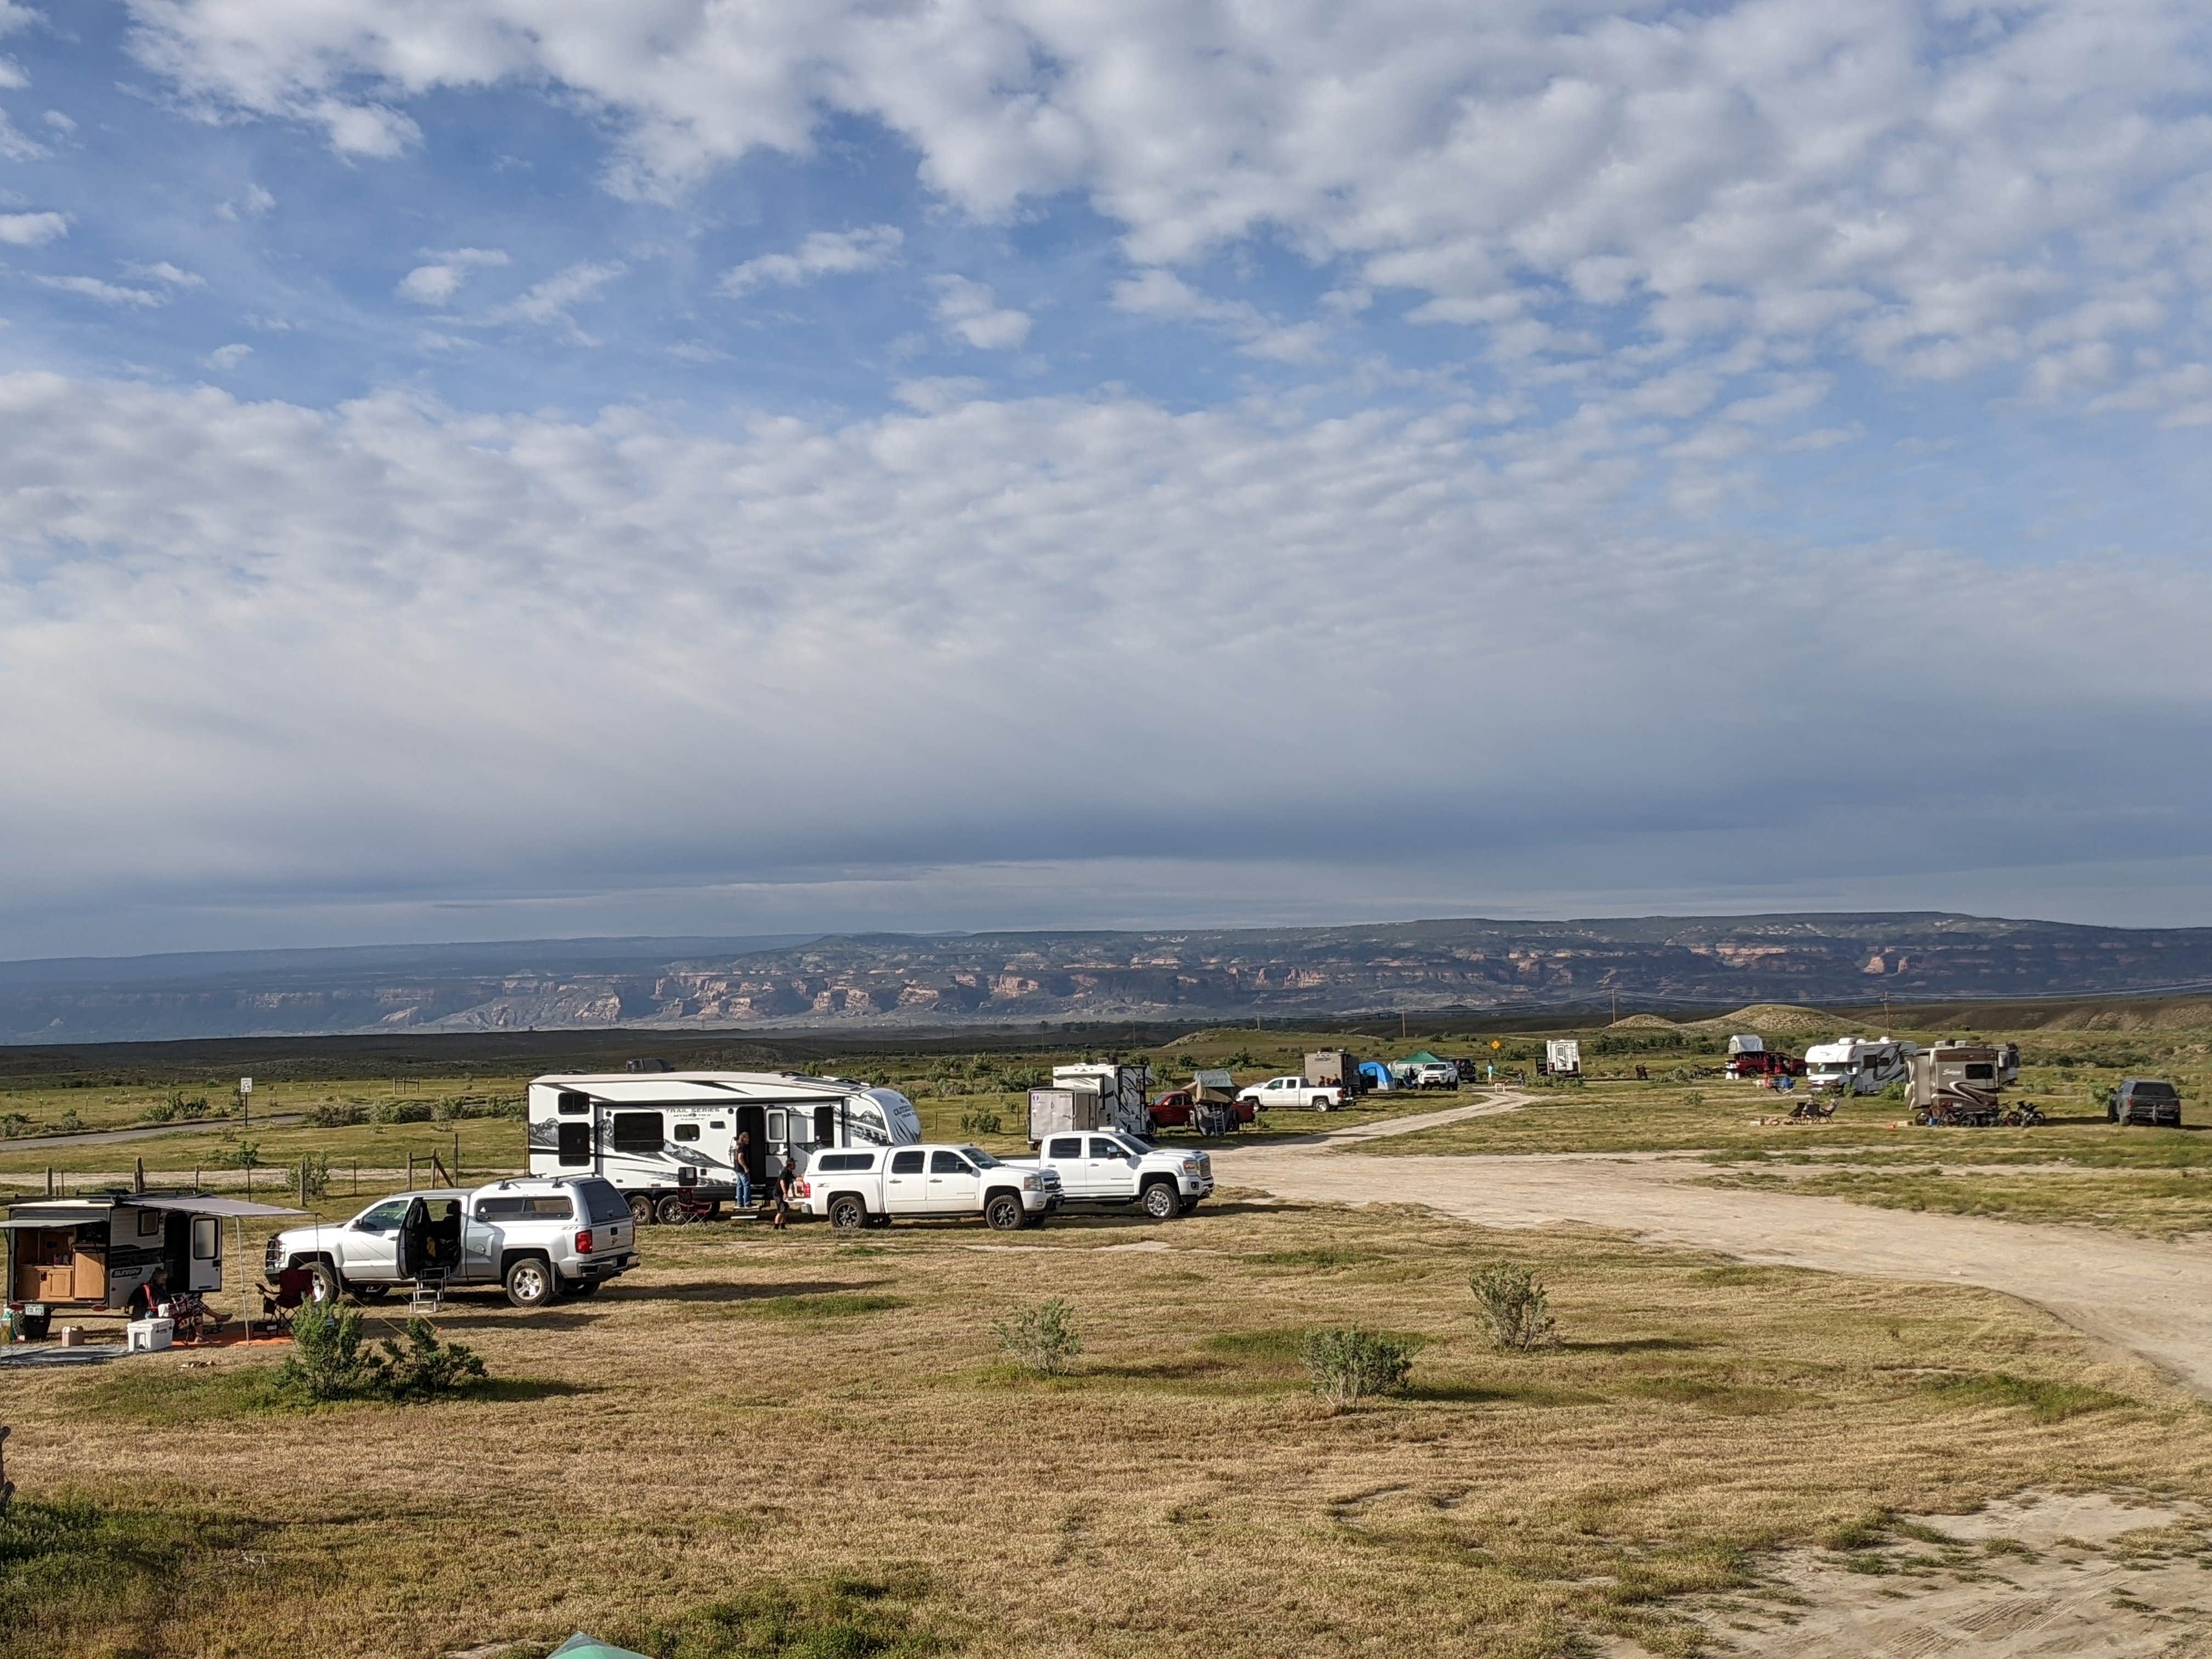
<point x="146" y="1299"/>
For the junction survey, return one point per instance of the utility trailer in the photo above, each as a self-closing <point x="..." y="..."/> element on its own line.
<point x="1118" y="1099"/>
<point x="1337" y="1066"/>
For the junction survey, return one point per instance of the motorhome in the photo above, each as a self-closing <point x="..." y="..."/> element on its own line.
<point x="666" y="1137"/>
<point x="1859" y="1065"/>
<point x="1961" y="1080"/>
<point x="1563" y="1057"/>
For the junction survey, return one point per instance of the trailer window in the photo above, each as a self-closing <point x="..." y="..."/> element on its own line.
<point x="687" y="1132"/>
<point x="637" y="1132"/>
<point x="207" y="1238"/>
<point x="570" y="1104"/>
<point x="778" y="1126"/>
<point x="149" y="1223"/>
<point x="906" y="1162"/>
<point x="575" y="1144"/>
<point x="1981" y="1072"/>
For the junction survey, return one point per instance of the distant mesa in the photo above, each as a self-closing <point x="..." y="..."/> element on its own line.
<point x="1771" y="969"/>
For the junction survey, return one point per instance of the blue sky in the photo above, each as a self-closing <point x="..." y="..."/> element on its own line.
<point x="478" y="470"/>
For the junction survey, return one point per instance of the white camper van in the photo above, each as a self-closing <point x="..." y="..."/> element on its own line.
<point x="1859" y="1066"/>
<point x="662" y="1137"/>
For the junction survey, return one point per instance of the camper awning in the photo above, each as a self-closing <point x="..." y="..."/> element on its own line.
<point x="205" y="1204"/>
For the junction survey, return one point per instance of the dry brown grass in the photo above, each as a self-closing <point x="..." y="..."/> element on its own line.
<point x="795" y="1408"/>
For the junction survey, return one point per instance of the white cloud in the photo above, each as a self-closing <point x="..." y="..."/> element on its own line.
<point x="1746" y="169"/>
<point x="866" y="600"/>
<point x="366" y="130"/>
<point x="14" y="145"/>
<point x="32" y="230"/>
<point x="59" y="122"/>
<point x="970" y="310"/>
<point x="547" y="303"/>
<point x="823" y="253"/>
<point x="1158" y="293"/>
<point x="435" y="283"/>
<point x="91" y="288"/>
<point x="167" y="274"/>
<point x="12" y="78"/>
<point x="223" y="359"/>
<point x="254" y="203"/>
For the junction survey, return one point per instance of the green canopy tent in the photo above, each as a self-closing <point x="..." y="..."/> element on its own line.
<point x="1423" y="1057"/>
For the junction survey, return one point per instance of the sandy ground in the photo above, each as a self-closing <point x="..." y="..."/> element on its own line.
<point x="2041" y="1575"/>
<point x="2154" y="1299"/>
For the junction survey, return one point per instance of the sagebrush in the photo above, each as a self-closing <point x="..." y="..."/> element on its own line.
<point x="1041" y="1339"/>
<point x="1350" y="1364"/>
<point x="331" y="1360"/>
<point x="1514" y="1306"/>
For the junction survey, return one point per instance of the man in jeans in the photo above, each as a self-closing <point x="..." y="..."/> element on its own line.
<point x="742" y="1160"/>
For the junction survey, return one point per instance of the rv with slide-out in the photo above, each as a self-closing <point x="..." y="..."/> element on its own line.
<point x="668" y="1140"/>
<point x="1857" y="1066"/>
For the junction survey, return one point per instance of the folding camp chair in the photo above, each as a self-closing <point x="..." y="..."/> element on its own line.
<point x="279" y="1301"/>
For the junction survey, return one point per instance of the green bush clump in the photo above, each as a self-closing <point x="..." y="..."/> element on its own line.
<point x="402" y="1111"/>
<point x="847" y="1618"/>
<point x="985" y="1122"/>
<point x="1347" y="1365"/>
<point x="1514" y="1304"/>
<point x="337" y="1114"/>
<point x="1041" y="1339"/>
<point x="332" y="1362"/>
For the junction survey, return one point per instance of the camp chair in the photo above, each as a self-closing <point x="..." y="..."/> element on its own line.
<point x="279" y="1301"/>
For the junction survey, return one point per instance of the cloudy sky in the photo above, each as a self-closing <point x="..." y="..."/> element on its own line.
<point x="501" y="468"/>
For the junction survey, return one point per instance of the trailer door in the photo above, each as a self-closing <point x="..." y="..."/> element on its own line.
<point x="205" y="1269"/>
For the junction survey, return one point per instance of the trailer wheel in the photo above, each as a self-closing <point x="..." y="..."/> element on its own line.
<point x="1161" y="1200"/>
<point x="530" y="1281"/>
<point x="640" y="1209"/>
<point x="847" y="1214"/>
<point x="1003" y="1213"/>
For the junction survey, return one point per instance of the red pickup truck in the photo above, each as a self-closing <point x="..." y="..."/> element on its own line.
<point x="1172" y="1110"/>
<point x="1767" y="1062"/>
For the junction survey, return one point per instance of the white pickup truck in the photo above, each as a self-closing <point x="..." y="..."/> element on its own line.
<point x="1293" y="1091"/>
<point x="539" y="1239"/>
<point x="1120" y="1171"/>
<point x="856" y="1189"/>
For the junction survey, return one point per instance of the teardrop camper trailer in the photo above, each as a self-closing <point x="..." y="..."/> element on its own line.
<point x="92" y="1251"/>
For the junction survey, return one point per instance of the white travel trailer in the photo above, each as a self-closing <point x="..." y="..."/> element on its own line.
<point x="1120" y="1091"/>
<point x="1563" y="1057"/>
<point x="1859" y="1066"/>
<point x="662" y="1137"/>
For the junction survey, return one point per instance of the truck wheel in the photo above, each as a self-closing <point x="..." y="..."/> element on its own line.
<point x="371" y="1292"/>
<point x="1321" y="1103"/>
<point x="1161" y="1200"/>
<point x="530" y="1281"/>
<point x="324" y="1284"/>
<point x="1003" y="1212"/>
<point x="581" y="1286"/>
<point x="847" y="1214"/>
<point x="640" y="1209"/>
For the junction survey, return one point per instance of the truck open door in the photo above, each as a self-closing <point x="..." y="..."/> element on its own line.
<point x="411" y="1245"/>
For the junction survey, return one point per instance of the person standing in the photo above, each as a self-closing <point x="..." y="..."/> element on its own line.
<point x="742" y="1159"/>
<point x="788" y="1178"/>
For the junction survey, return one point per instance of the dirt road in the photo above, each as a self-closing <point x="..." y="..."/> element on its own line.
<point x="2153" y="1300"/>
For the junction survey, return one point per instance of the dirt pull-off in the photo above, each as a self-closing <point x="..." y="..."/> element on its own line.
<point x="2037" y="1576"/>
<point x="2153" y="1300"/>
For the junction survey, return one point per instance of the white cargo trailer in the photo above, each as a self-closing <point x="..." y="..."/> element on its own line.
<point x="1563" y="1057"/>
<point x="1121" y="1092"/>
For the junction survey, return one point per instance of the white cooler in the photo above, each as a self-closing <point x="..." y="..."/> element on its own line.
<point x="148" y="1335"/>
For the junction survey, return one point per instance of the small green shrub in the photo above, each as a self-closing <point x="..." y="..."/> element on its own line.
<point x="247" y="1155"/>
<point x="69" y="1123"/>
<point x="1693" y="1097"/>
<point x="337" y="1114"/>
<point x="1515" y="1305"/>
<point x="845" y="1619"/>
<point x="1349" y="1365"/>
<point x="1041" y="1339"/>
<point x="402" y="1111"/>
<point x="331" y="1362"/>
<point x="985" y="1122"/>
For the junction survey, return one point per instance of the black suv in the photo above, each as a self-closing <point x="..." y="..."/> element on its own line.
<point x="2145" y="1100"/>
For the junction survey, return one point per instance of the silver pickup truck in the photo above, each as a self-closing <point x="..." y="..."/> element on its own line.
<point x="538" y="1239"/>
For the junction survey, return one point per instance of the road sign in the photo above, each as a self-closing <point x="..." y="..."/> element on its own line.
<point x="1495" y="1043"/>
<point x="245" y="1085"/>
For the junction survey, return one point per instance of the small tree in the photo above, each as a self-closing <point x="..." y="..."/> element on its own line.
<point x="1041" y="1339"/>
<point x="1514" y="1304"/>
<point x="1348" y="1365"/>
<point x="426" y="1367"/>
<point x="330" y="1361"/>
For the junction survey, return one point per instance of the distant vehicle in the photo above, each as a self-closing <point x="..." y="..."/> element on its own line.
<point x="1436" y="1074"/>
<point x="1748" y="1043"/>
<point x="1119" y="1172"/>
<point x="873" y="1187"/>
<point x="1181" y="1109"/>
<point x="539" y="1239"/>
<point x="1763" y="1062"/>
<point x="1336" y="1066"/>
<point x="2145" y="1100"/>
<point x="1293" y="1092"/>
<point x="1861" y="1065"/>
<point x="668" y="1137"/>
<point x="1563" y="1057"/>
